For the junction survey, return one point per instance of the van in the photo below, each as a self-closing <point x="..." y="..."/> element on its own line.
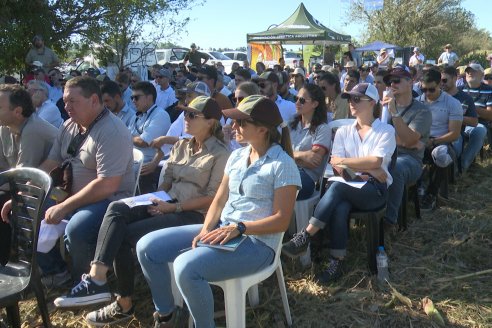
<point x="172" y="55"/>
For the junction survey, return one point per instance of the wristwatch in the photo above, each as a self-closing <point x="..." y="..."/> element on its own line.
<point x="241" y="228"/>
<point x="178" y="209"/>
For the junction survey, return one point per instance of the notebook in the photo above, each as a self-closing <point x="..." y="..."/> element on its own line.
<point x="144" y="199"/>
<point x="230" y="246"/>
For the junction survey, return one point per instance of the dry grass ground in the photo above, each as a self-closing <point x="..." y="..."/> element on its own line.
<point x="431" y="258"/>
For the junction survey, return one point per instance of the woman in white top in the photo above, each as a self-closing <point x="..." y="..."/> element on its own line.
<point x="366" y="148"/>
<point x="310" y="137"/>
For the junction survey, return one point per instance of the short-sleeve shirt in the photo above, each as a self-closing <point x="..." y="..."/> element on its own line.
<point x="191" y="175"/>
<point x="46" y="56"/>
<point x="126" y="115"/>
<point x="418" y="118"/>
<point x="302" y="140"/>
<point x="50" y="113"/>
<point x="252" y="188"/>
<point x="195" y="58"/>
<point x="482" y="96"/>
<point x="379" y="141"/>
<point x="30" y="148"/>
<point x="165" y="98"/>
<point x="443" y="109"/>
<point x="467" y="104"/>
<point x="107" y="151"/>
<point x="149" y="125"/>
<point x="287" y="108"/>
<point x="449" y="58"/>
<point x="414" y="60"/>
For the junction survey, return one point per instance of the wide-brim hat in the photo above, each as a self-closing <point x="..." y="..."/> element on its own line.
<point x="206" y="106"/>
<point x="258" y="108"/>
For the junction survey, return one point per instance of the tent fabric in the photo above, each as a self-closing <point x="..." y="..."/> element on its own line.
<point x="377" y="45"/>
<point x="300" y="28"/>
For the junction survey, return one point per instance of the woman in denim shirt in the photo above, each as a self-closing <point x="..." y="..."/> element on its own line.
<point x="256" y="198"/>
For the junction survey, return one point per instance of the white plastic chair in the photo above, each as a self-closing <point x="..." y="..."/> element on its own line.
<point x="332" y="126"/>
<point x="138" y="159"/>
<point x="235" y="292"/>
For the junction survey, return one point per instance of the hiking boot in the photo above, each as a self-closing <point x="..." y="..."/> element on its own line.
<point x="85" y="293"/>
<point x="176" y="320"/>
<point x="428" y="203"/>
<point x="55" y="280"/>
<point x="108" y="315"/>
<point x="298" y="245"/>
<point x="332" y="273"/>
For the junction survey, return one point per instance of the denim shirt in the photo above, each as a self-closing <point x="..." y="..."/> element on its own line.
<point x="251" y="189"/>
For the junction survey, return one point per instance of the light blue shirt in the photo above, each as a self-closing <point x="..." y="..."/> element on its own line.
<point x="251" y="189"/>
<point x="55" y="93"/>
<point x="127" y="115"/>
<point x="286" y="108"/>
<point x="444" y="109"/>
<point x="50" y="113"/>
<point x="149" y="125"/>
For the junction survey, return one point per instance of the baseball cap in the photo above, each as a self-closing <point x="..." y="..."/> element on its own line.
<point x="297" y="71"/>
<point x="441" y="156"/>
<point x="397" y="72"/>
<point x="269" y="76"/>
<point x="382" y="50"/>
<point x="193" y="45"/>
<point x="475" y="67"/>
<point x="416" y="49"/>
<point x="363" y="89"/>
<point x="448" y="46"/>
<point x="350" y="64"/>
<point x="325" y="68"/>
<point x="198" y="87"/>
<point x="165" y="73"/>
<point x="206" y="106"/>
<point x="258" y="108"/>
<point x="488" y="71"/>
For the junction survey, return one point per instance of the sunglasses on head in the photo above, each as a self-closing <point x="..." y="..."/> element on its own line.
<point x="300" y="99"/>
<point x="192" y="115"/>
<point x="242" y="122"/>
<point x="425" y="90"/>
<point x="135" y="97"/>
<point x="357" y="99"/>
<point x="237" y="100"/>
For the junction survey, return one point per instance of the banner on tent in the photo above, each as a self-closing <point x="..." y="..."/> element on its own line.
<point x="269" y="54"/>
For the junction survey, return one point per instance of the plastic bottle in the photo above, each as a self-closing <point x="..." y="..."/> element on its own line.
<point x="382" y="263"/>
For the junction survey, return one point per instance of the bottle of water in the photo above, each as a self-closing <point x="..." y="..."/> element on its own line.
<point x="382" y="263"/>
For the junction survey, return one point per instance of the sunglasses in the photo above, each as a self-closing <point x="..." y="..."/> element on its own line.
<point x="444" y="80"/>
<point x="135" y="97"/>
<point x="357" y="99"/>
<point x="300" y="99"/>
<point x="242" y="122"/>
<point x="487" y="77"/>
<point x="395" y="81"/>
<point x="425" y="90"/>
<point x="237" y="100"/>
<point x="191" y="115"/>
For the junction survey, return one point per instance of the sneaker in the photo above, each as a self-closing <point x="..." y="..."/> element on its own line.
<point x="56" y="280"/>
<point x="332" y="273"/>
<point x="428" y="203"/>
<point x="108" y="315"/>
<point x="85" y="293"/>
<point x="176" y="319"/>
<point x="297" y="245"/>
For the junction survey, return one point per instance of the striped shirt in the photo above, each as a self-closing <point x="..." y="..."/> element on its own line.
<point x="482" y="96"/>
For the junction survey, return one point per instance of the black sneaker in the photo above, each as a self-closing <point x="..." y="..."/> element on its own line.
<point x="108" y="315"/>
<point x="176" y="319"/>
<point x="85" y="293"/>
<point x="428" y="203"/>
<point x="332" y="273"/>
<point x="297" y="245"/>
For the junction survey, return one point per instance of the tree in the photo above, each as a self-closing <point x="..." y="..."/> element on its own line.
<point x="113" y="25"/>
<point x="428" y="24"/>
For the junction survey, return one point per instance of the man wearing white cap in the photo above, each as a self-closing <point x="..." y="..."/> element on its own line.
<point x="165" y="93"/>
<point x="417" y="57"/>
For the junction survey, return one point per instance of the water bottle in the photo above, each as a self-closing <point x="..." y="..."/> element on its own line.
<point x="382" y="263"/>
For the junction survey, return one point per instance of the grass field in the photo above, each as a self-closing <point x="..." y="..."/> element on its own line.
<point x="446" y="256"/>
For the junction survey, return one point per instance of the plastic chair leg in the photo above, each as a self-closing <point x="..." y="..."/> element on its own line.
<point x="235" y="305"/>
<point x="43" y="307"/>
<point x="253" y="296"/>
<point x="13" y="315"/>
<point x="283" y="294"/>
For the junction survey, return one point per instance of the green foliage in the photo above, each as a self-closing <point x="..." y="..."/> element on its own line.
<point x="477" y="56"/>
<point x="428" y="24"/>
<point x="108" y="24"/>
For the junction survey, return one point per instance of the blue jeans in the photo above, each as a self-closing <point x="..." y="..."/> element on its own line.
<point x="308" y="185"/>
<point x="194" y="268"/>
<point x="80" y="239"/>
<point x="407" y="170"/>
<point x="475" y="136"/>
<point x="334" y="208"/>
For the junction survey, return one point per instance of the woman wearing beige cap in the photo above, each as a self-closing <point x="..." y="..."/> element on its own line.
<point x="255" y="199"/>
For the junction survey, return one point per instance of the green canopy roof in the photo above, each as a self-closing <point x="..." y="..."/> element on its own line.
<point x="300" y="28"/>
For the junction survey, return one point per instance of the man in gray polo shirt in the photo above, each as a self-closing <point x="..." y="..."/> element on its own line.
<point x="447" y="116"/>
<point x="412" y="121"/>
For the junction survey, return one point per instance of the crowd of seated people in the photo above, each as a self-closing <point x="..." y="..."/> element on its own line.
<point x="238" y="150"/>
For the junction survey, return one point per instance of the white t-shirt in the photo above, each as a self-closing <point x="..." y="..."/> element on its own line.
<point x="165" y="98"/>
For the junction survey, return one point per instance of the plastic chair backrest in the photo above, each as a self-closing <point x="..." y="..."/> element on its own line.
<point x="138" y="159"/>
<point x="332" y="126"/>
<point x="29" y="188"/>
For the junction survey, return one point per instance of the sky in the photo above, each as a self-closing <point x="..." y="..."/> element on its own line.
<point x="220" y="23"/>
